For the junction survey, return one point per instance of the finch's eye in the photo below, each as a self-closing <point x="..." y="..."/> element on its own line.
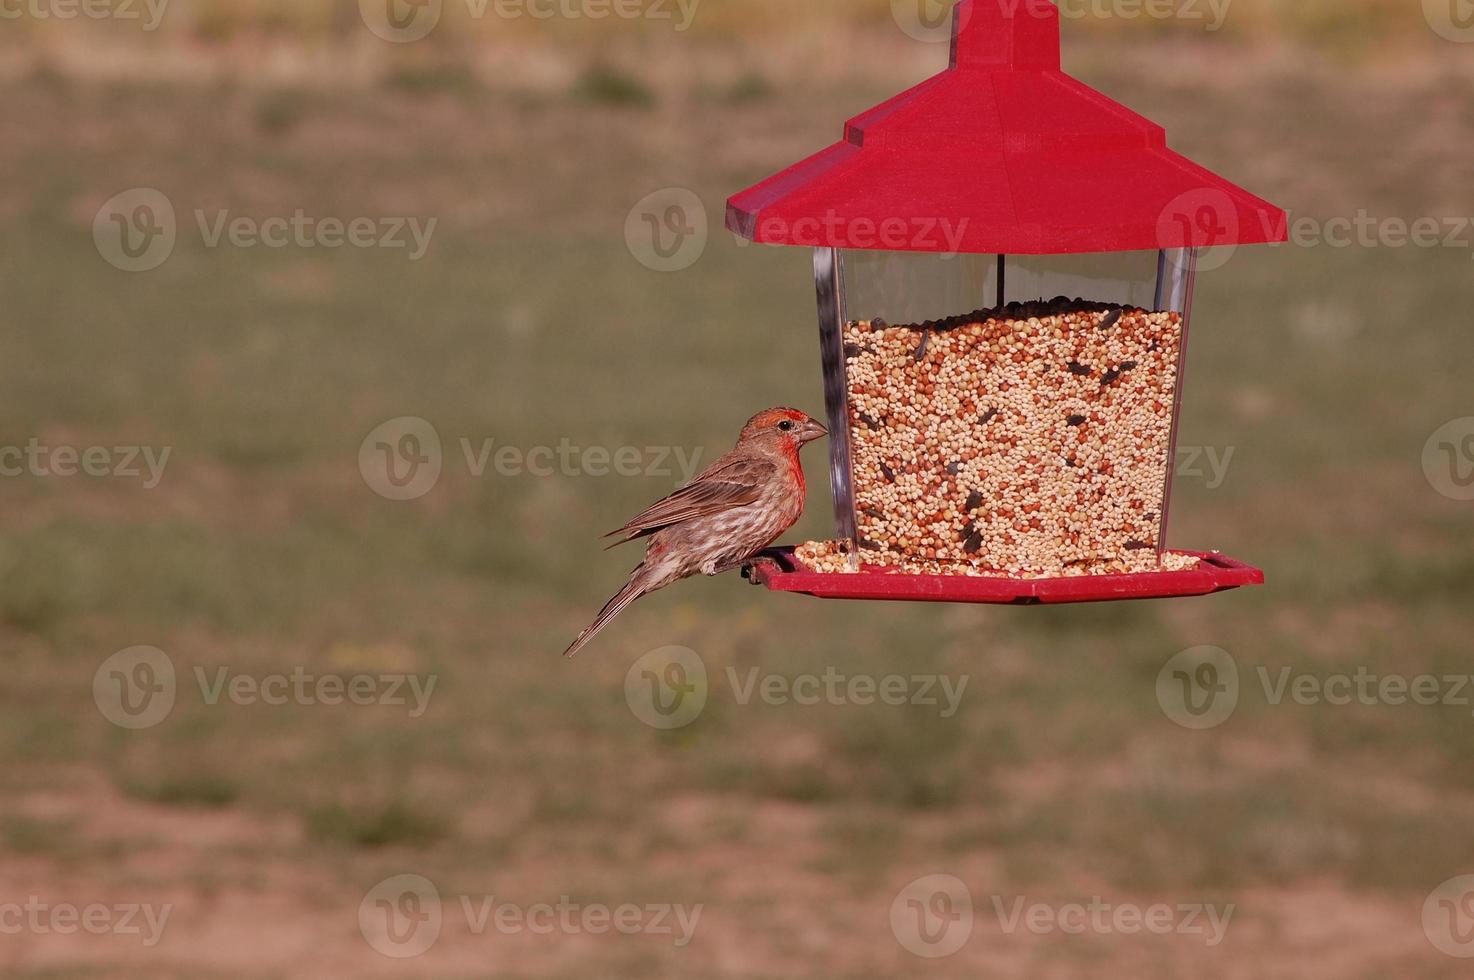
<point x="786" y="426"/>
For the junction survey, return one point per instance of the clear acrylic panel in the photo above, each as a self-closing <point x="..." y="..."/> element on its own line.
<point x="1122" y="278"/>
<point x="912" y="287"/>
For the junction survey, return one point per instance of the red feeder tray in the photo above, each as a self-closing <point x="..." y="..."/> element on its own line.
<point x="1216" y="573"/>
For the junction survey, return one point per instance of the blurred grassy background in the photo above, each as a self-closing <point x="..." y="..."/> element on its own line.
<point x="1314" y="22"/>
<point x="529" y="322"/>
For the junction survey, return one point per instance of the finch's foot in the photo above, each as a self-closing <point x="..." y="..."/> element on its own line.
<point x="749" y="569"/>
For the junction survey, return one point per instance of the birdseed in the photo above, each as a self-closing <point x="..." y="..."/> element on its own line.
<point x="1029" y="441"/>
<point x="828" y="557"/>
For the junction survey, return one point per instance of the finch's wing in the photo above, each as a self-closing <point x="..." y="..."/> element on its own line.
<point x="735" y="483"/>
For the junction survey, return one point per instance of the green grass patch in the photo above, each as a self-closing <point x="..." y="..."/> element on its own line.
<point x="606" y="85"/>
<point x="393" y="824"/>
<point x="205" y="790"/>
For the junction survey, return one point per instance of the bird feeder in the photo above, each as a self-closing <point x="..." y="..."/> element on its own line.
<point x="1004" y="260"/>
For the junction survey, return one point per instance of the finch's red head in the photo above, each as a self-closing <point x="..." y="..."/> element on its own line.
<point x="785" y="428"/>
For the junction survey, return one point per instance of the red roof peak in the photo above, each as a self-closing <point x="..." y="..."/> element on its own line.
<point x="1002" y="153"/>
<point x="989" y="35"/>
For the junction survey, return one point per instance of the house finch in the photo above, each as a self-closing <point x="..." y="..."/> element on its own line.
<point x="737" y="507"/>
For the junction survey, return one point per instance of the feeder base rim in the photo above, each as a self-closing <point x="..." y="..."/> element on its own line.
<point x="780" y="571"/>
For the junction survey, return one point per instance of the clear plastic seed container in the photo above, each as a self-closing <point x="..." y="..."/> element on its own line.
<point x="1003" y="415"/>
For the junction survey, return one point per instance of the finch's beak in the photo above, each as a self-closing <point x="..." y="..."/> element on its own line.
<point x="811" y="430"/>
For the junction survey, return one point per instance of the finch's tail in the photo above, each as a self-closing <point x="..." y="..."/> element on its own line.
<point x="637" y="586"/>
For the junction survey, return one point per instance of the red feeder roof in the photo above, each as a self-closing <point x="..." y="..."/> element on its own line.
<point x="1002" y="152"/>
